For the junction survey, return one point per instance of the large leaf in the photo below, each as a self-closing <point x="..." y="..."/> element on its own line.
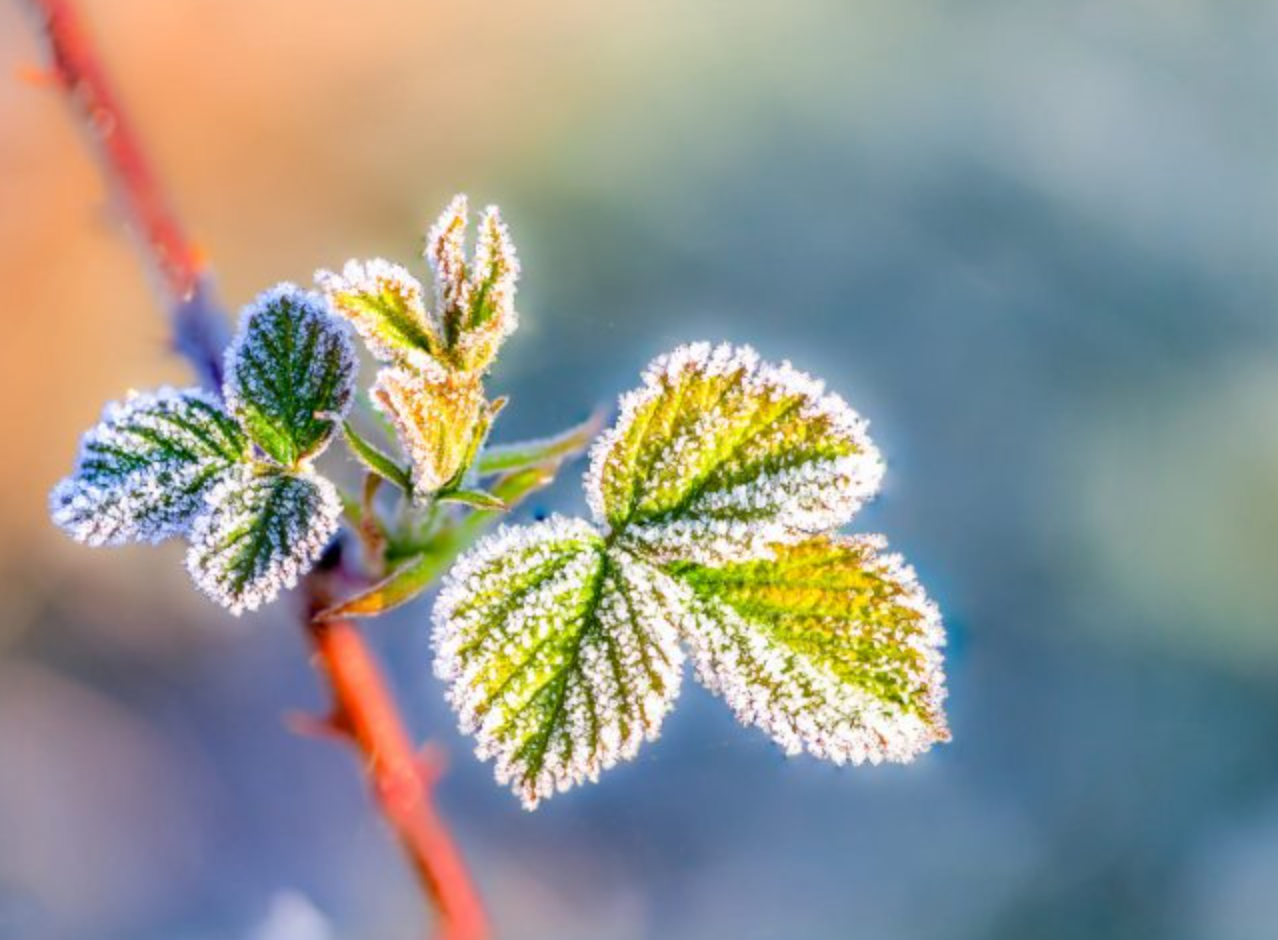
<point x="561" y="656"/>
<point x="384" y="302"/>
<point x="719" y="455"/>
<point x="290" y="374"/>
<point x="260" y="533"/>
<point x="830" y="647"/>
<point x="143" y="471"/>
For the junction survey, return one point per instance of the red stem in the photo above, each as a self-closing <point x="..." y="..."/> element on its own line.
<point x="400" y="777"/>
<point x="364" y="711"/>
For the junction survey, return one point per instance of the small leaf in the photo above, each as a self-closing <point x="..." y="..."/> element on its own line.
<point x="475" y="498"/>
<point x="445" y="252"/>
<point x="561" y="656"/>
<point x="260" y="533"/>
<point x="502" y="457"/>
<point x="436" y="422"/>
<point x="384" y="302"/>
<point x="290" y="369"/>
<point x="143" y="471"/>
<point x="830" y="647"/>
<point x="427" y="562"/>
<point x="720" y="455"/>
<point x="378" y="462"/>
<point x="490" y="295"/>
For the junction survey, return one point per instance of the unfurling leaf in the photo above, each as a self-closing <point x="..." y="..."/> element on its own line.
<point x="474" y="305"/>
<point x="718" y="490"/>
<point x="289" y="374"/>
<point x="719" y="455"/>
<point x="262" y="531"/>
<point x="143" y="471"/>
<point x="560" y="656"/>
<point x="436" y="422"/>
<point x="384" y="302"/>
<point x="829" y="647"/>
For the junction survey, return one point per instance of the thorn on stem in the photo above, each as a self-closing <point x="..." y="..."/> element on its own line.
<point x="432" y="764"/>
<point x="37" y="76"/>
<point x="324" y="727"/>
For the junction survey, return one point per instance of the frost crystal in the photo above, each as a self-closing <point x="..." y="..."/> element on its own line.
<point x="719" y="487"/>
<point x="260" y="532"/>
<point x="143" y="471"/>
<point x="177" y="462"/>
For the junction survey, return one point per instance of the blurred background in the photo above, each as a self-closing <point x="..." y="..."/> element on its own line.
<point x="1036" y="243"/>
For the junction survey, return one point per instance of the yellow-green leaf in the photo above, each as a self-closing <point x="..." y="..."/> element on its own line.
<point x="719" y="455"/>
<point x="561" y="656"/>
<point x="829" y="647"/>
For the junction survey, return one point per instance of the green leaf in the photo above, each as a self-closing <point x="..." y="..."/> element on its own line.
<point x="377" y="461"/>
<point x="260" y="532"/>
<point x="477" y="499"/>
<point x="290" y="371"/>
<point x="428" y="562"/>
<point x="561" y="656"/>
<point x="384" y="302"/>
<point x="502" y="457"/>
<point x="143" y="471"/>
<point x="720" y="455"/>
<point x="830" y="647"/>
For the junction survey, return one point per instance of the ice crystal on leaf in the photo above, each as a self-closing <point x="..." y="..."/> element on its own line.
<point x="715" y="496"/>
<point x="431" y="385"/>
<point x="562" y="654"/>
<point x="235" y="477"/>
<point x="258" y="533"/>
<point x="144" y="469"/>
<point x="290" y="369"/>
<point x="434" y="421"/>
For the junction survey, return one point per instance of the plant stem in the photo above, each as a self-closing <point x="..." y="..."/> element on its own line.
<point x="364" y="711"/>
<point x="400" y="777"/>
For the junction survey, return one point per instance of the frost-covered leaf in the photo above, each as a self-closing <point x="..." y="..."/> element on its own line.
<point x="384" y="302"/>
<point x="720" y="455"/>
<point x="143" y="471"/>
<point x="290" y="373"/>
<point x="830" y="647"/>
<point x="445" y="252"/>
<point x="260" y="532"/>
<point x="474" y="303"/>
<point x="561" y="655"/>
<point x="436" y="422"/>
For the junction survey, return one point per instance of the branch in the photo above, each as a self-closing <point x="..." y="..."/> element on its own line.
<point x="400" y="777"/>
<point x="364" y="711"/>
